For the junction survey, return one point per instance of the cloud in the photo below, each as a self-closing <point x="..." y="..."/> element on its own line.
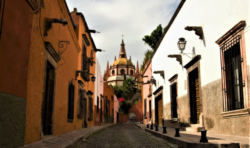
<point x="132" y="18"/>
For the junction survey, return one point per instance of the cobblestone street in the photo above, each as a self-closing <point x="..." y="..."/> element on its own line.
<point x="123" y="136"/>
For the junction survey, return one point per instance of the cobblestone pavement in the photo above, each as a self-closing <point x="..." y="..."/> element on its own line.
<point x="123" y="136"/>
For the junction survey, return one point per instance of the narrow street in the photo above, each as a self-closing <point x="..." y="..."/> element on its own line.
<point x="123" y="136"/>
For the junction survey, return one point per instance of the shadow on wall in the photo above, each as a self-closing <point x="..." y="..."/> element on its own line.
<point x="209" y="123"/>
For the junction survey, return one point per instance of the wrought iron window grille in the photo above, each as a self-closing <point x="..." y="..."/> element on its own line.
<point x="232" y="76"/>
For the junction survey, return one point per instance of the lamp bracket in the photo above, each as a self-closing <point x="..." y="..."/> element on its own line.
<point x="63" y="45"/>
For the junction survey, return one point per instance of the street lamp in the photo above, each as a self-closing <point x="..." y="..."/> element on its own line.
<point x="181" y="44"/>
<point x="153" y="81"/>
<point x="92" y="78"/>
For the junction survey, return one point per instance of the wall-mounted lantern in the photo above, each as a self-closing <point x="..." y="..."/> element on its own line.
<point x="153" y="81"/>
<point x="181" y="44"/>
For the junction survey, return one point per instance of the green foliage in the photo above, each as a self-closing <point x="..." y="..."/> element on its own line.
<point x="128" y="88"/>
<point x="147" y="55"/>
<point x="136" y="102"/>
<point x="154" y="37"/>
<point x="125" y="107"/>
<point x="118" y="90"/>
<point x="152" y="41"/>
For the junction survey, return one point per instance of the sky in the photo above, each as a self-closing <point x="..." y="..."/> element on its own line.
<point x="131" y="18"/>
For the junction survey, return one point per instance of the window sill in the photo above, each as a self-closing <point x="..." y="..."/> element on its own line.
<point x="235" y="113"/>
<point x="70" y="120"/>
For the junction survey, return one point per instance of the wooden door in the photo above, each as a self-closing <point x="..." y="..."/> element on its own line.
<point x="193" y="77"/>
<point x="173" y="90"/>
<point x="160" y="110"/>
<point x="48" y="103"/>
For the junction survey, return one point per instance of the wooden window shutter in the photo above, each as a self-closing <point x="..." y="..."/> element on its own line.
<point x="90" y="109"/>
<point x="97" y="110"/>
<point x="81" y="101"/>
<point x="71" y="102"/>
<point x="145" y="108"/>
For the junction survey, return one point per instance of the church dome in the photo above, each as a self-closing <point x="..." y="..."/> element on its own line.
<point x="122" y="61"/>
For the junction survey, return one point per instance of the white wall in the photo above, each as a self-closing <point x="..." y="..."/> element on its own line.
<point x="216" y="17"/>
<point x="98" y="82"/>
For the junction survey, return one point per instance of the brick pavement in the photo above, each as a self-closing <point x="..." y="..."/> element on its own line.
<point x="67" y="140"/>
<point x="189" y="139"/>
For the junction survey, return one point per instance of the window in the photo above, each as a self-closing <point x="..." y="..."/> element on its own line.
<point x="90" y="109"/>
<point x="233" y="77"/>
<point x="71" y="102"/>
<point x="91" y="58"/>
<point x="150" y="109"/>
<point x="97" y="104"/>
<point x="122" y="71"/>
<point x="113" y="72"/>
<point x="145" y="109"/>
<point x="131" y="72"/>
<point x="85" y="64"/>
<point x="232" y="68"/>
<point x="1" y="14"/>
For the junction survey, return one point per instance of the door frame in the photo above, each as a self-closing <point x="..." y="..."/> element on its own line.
<point x="190" y="66"/>
<point x="53" y="63"/>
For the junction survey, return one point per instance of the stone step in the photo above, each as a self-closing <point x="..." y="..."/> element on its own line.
<point x="195" y="128"/>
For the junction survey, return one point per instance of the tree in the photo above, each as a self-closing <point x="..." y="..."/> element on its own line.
<point x="128" y="88"/>
<point x="118" y="90"/>
<point x="147" y="55"/>
<point x="154" y="37"/>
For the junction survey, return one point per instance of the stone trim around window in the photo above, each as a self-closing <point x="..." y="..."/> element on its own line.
<point x="236" y="113"/>
<point x="33" y="3"/>
<point x="234" y="32"/>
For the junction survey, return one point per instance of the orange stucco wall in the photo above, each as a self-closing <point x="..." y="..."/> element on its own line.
<point x="15" y="47"/>
<point x="109" y="91"/>
<point x="81" y="29"/>
<point x="65" y="72"/>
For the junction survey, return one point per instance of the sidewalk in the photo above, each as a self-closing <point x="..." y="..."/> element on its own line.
<point x="192" y="140"/>
<point x="67" y="140"/>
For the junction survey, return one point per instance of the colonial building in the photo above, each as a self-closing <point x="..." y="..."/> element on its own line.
<point x="204" y="82"/>
<point x="46" y="62"/>
<point x="114" y="74"/>
<point x="147" y="92"/>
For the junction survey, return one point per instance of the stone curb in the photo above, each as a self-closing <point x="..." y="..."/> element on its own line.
<point x="186" y="144"/>
<point x="67" y="140"/>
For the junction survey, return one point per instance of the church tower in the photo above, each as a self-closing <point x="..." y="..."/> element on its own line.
<point x="114" y="74"/>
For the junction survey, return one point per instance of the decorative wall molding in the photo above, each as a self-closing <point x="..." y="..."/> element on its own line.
<point x="193" y="61"/>
<point x="52" y="51"/>
<point x="174" y="77"/>
<point x="161" y="72"/>
<point x="33" y="4"/>
<point x="177" y="56"/>
<point x="198" y="30"/>
<point x="238" y="27"/>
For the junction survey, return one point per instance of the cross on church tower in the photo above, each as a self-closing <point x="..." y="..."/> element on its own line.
<point x="122" y="36"/>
